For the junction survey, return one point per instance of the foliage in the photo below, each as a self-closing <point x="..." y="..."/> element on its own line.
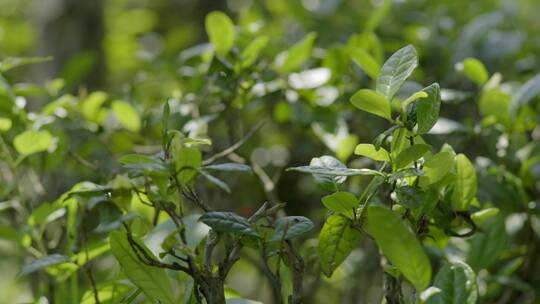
<point x="185" y="175"/>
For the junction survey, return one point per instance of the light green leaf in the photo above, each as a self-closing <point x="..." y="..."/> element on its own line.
<point x="152" y="280"/>
<point x="14" y="62"/>
<point x="372" y="102"/>
<point x="50" y="260"/>
<point x="5" y="124"/>
<point x="228" y="222"/>
<point x="427" y="109"/>
<point x="298" y="53"/>
<point x="496" y="103"/>
<point x="394" y="239"/>
<point x="252" y="50"/>
<point x="436" y="167"/>
<point x="91" y="106"/>
<point x="341" y="202"/>
<point x="365" y="61"/>
<point x="465" y="184"/>
<point x="457" y="284"/>
<point x="336" y="241"/>
<point x="289" y="227"/>
<point x="475" y="70"/>
<point x="30" y="142"/>
<point x="187" y="161"/>
<point x="108" y="293"/>
<point x="396" y="70"/>
<point x="126" y="115"/>
<point x="481" y="216"/>
<point x="370" y="151"/>
<point x="220" y="30"/>
<point x="411" y="154"/>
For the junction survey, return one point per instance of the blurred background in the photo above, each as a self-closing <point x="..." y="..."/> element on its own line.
<point x="150" y="51"/>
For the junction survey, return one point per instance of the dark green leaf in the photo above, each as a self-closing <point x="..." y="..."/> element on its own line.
<point x="427" y="109"/>
<point x="228" y="222"/>
<point x="289" y="227"/>
<point x="409" y="196"/>
<point x="411" y="154"/>
<point x="50" y="260"/>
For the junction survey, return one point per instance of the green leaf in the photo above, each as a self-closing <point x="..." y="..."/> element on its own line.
<point x="153" y="281"/>
<point x="187" y="162"/>
<point x="14" y="62"/>
<point x="475" y="70"/>
<point x="409" y="196"/>
<point x="481" y="216"/>
<point x="126" y="115"/>
<point x="108" y="293"/>
<point x="370" y="151"/>
<point x="220" y="30"/>
<point x="42" y="263"/>
<point x="411" y="154"/>
<point x="485" y="248"/>
<point x="372" y="102"/>
<point x="341" y="202"/>
<point x="496" y="103"/>
<point x="457" y="284"/>
<point x="289" y="227"/>
<point x="252" y="50"/>
<point x="336" y="241"/>
<point x="436" y="167"/>
<point x="395" y="239"/>
<point x="525" y="94"/>
<point x="5" y="124"/>
<point x="298" y="53"/>
<point x="319" y="166"/>
<point x="228" y="222"/>
<point x="335" y="171"/>
<point x="365" y="61"/>
<point x="216" y="181"/>
<point x="30" y="142"/>
<point x="427" y="109"/>
<point x="405" y="173"/>
<point x="396" y="70"/>
<point x="229" y="167"/>
<point x="465" y="184"/>
<point x="91" y="106"/>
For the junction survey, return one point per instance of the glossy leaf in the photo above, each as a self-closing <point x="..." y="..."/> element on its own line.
<point x="153" y="281"/>
<point x="228" y="222"/>
<point x="394" y="239"/>
<point x="457" y="284"/>
<point x="336" y="241"/>
<point x="229" y="167"/>
<point x="220" y="30"/>
<point x="372" y="102"/>
<point x="396" y="70"/>
<point x="436" y="167"/>
<point x="43" y="263"/>
<point x="370" y="151"/>
<point x="289" y="227"/>
<point x="427" y="108"/>
<point x="465" y="184"/>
